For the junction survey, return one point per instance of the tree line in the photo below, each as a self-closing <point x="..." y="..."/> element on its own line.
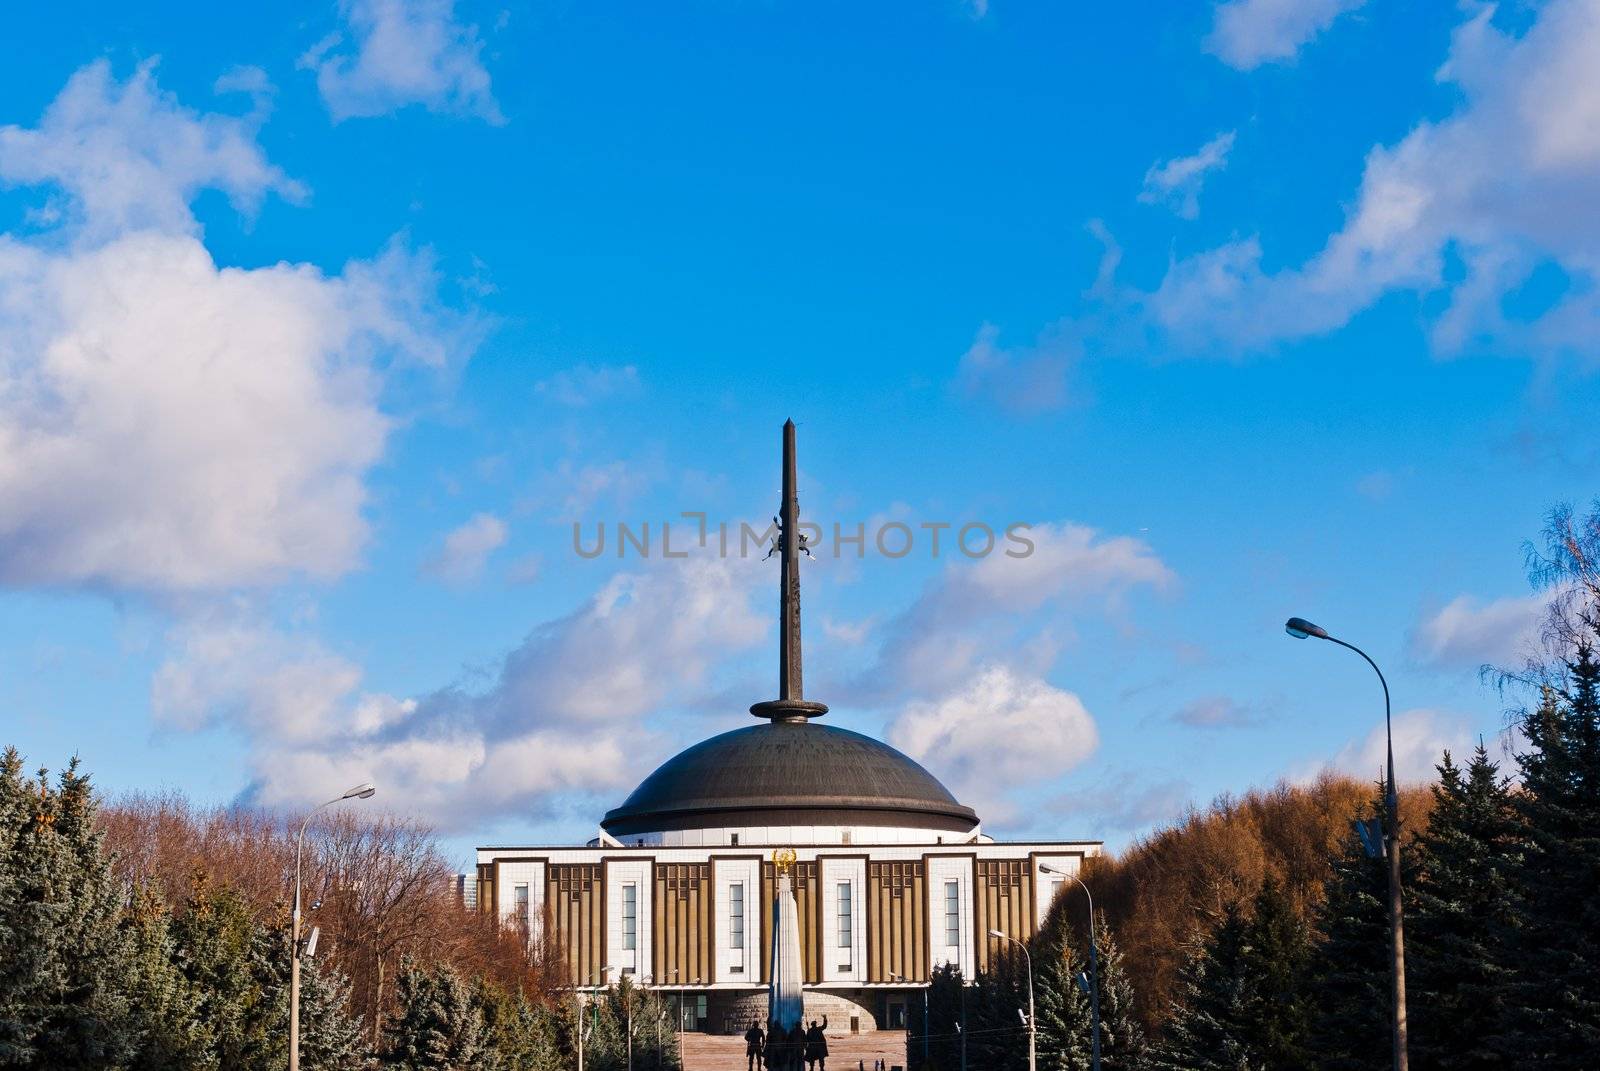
<point x="148" y="935"/>
<point x="1253" y="936"/>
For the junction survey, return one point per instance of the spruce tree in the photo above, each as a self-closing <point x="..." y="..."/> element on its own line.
<point x="947" y="1010"/>
<point x="1063" y="1008"/>
<point x="176" y="1038"/>
<point x="1553" y="1017"/>
<point x="1241" y="1004"/>
<point x="229" y="963"/>
<point x="1457" y="977"/>
<point x="1348" y="976"/>
<point x="331" y="1036"/>
<point x="66" y="961"/>
<point x="440" y="1024"/>
<point x="1204" y="1032"/>
<point x="1122" y="1041"/>
<point x="998" y="1039"/>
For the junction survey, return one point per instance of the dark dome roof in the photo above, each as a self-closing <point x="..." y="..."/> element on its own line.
<point x="789" y="773"/>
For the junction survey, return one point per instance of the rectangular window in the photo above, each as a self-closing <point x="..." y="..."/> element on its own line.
<point x="520" y="912"/>
<point x="736" y="915"/>
<point x="845" y="920"/>
<point x="630" y="916"/>
<point x="952" y="914"/>
<point x="1055" y="889"/>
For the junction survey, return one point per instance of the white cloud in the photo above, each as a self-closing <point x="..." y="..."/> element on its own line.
<point x="565" y="715"/>
<point x="951" y="629"/>
<point x="467" y="548"/>
<point x="1024" y="380"/>
<point x="404" y="52"/>
<point x="1468" y="633"/>
<point x="1248" y="33"/>
<point x="1001" y="728"/>
<point x="1503" y="186"/>
<point x="1420" y="739"/>
<point x="584" y="385"/>
<point x="1176" y="183"/>
<point x="129" y="156"/>
<point x="167" y="424"/>
<point x="640" y="643"/>
<point x="226" y="665"/>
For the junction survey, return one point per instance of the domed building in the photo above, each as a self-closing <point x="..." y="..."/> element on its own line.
<point x="893" y="877"/>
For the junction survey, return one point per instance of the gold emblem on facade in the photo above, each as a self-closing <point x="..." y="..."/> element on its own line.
<point x="783" y="859"/>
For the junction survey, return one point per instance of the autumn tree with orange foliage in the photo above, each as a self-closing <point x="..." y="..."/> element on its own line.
<point x="1174" y="887"/>
<point x="376" y="885"/>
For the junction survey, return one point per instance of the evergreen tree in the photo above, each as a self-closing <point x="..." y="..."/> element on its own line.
<point x="177" y="1039"/>
<point x="947" y="1012"/>
<point x="66" y="960"/>
<point x="1553" y="1017"/>
<point x="998" y="1040"/>
<point x="331" y="1037"/>
<point x="229" y="963"/>
<point x="1063" y="1008"/>
<point x="1457" y="977"/>
<point x="1204" y="1032"/>
<point x="440" y="1024"/>
<point x="1349" y="971"/>
<point x="1241" y="1006"/>
<point x="1122" y="1041"/>
<point x="526" y="1037"/>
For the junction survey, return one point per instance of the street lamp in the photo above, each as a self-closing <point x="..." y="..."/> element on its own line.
<point x="577" y="992"/>
<point x="361" y="791"/>
<point x="1094" y="960"/>
<point x="1033" y="1025"/>
<point x="1301" y="629"/>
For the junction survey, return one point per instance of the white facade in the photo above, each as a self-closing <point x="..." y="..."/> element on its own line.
<point x="737" y="881"/>
<point x="628" y="939"/>
<point x="844" y="920"/>
<point x="952" y="930"/>
<point x="942" y="873"/>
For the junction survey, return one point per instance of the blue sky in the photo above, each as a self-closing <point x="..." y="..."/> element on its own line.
<point x="323" y="325"/>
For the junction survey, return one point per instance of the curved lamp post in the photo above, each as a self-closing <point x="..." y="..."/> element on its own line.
<point x="577" y="993"/>
<point x="1094" y="960"/>
<point x="1301" y="629"/>
<point x="1033" y="1025"/>
<point x="361" y="791"/>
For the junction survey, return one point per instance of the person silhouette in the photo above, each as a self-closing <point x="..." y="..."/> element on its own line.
<point x="817" y="1046"/>
<point x="775" y="1050"/>
<point x="754" y="1042"/>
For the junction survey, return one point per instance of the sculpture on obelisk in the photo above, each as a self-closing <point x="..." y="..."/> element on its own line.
<point x="785" y="997"/>
<point x="791" y="704"/>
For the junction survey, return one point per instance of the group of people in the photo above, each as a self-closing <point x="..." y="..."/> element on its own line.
<point x="787" y="1050"/>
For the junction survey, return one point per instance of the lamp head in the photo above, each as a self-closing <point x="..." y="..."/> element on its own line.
<point x="1048" y="869"/>
<point x="1300" y="629"/>
<point x="361" y="791"/>
<point x="997" y="933"/>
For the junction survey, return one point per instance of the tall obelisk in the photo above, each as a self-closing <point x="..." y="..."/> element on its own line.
<point x="785" y="997"/>
<point x="791" y="704"/>
<point x="788" y="713"/>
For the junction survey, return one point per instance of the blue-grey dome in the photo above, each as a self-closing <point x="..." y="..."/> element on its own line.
<point x="789" y="773"/>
